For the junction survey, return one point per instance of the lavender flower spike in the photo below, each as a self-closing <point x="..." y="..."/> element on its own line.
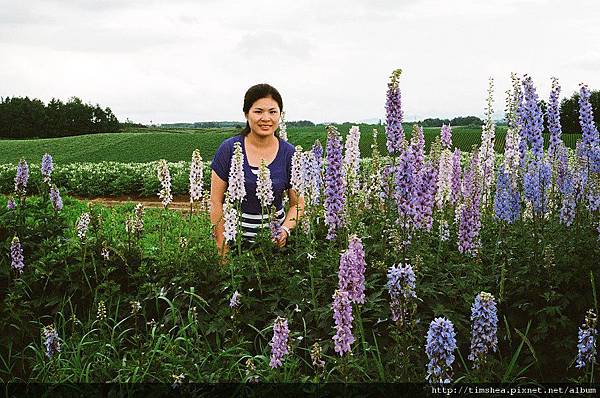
<point x="485" y="325"/>
<point x="47" y="168"/>
<point x="590" y="137"/>
<point x="532" y="119"/>
<point x="55" y="198"/>
<point x="342" y="315"/>
<point x="334" y="184"/>
<point x="507" y="202"/>
<point x="234" y="302"/>
<point x="587" y="336"/>
<point x="352" y="271"/>
<point x="279" y="343"/>
<point x="393" y="112"/>
<point x="446" y="136"/>
<point x="441" y="343"/>
<point x="554" y="117"/>
<point x="21" y="178"/>
<point x="51" y="341"/>
<point x="401" y="287"/>
<point x="10" y="204"/>
<point x="16" y="255"/>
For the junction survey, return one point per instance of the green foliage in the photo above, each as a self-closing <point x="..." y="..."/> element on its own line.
<point x="26" y="118"/>
<point x="569" y="111"/>
<point x="139" y="145"/>
<point x="183" y="324"/>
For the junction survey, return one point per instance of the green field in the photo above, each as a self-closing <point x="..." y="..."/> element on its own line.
<point x="146" y="145"/>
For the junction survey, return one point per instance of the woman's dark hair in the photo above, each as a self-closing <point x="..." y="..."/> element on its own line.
<point x="255" y="93"/>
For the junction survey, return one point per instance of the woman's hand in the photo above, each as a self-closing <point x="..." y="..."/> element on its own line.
<point x="281" y="239"/>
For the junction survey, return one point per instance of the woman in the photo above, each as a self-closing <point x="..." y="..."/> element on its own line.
<point x="259" y="141"/>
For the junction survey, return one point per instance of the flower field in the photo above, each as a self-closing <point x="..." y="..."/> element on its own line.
<point x="429" y="264"/>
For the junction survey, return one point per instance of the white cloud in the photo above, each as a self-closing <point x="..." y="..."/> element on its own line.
<point x="193" y="60"/>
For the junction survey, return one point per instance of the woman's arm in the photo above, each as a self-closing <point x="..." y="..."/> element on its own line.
<point x="293" y="215"/>
<point x="217" y="197"/>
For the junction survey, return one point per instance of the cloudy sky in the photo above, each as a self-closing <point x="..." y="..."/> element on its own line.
<point x="178" y="60"/>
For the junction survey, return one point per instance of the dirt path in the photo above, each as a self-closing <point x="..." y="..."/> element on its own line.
<point x="179" y="203"/>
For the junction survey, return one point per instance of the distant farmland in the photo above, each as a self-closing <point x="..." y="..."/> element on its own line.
<point x="146" y="145"/>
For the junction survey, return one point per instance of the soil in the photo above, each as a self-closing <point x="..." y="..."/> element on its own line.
<point x="180" y="202"/>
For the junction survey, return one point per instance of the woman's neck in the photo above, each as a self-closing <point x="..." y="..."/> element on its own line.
<point x="256" y="140"/>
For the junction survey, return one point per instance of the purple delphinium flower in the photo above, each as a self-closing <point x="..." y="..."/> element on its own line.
<point x="455" y="185"/>
<point x="446" y="136"/>
<point x="533" y="122"/>
<point x="516" y="120"/>
<point x="342" y="315"/>
<point x="536" y="182"/>
<point x="236" y="187"/>
<point x="55" y="198"/>
<point x="586" y="341"/>
<point x="401" y="287"/>
<point x="393" y="115"/>
<point x="47" y="168"/>
<point x="10" y="204"/>
<point x="469" y="223"/>
<point x="21" y="178"/>
<point x="51" y="341"/>
<point x="404" y="188"/>
<point x="317" y="150"/>
<point x="554" y="118"/>
<point x="16" y="255"/>
<point x="566" y="185"/>
<point x="507" y="202"/>
<point x="279" y="343"/>
<point x="312" y="175"/>
<point x="274" y="224"/>
<point x="425" y="190"/>
<point x="351" y="275"/>
<point x="483" y="329"/>
<point x="234" y="301"/>
<point x="417" y="145"/>
<point x="590" y="137"/>
<point x="334" y="184"/>
<point x="441" y="343"/>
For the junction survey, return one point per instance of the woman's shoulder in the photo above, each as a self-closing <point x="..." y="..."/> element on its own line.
<point x="229" y="142"/>
<point x="288" y="149"/>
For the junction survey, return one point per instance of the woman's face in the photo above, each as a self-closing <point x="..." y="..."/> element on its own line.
<point x="263" y="117"/>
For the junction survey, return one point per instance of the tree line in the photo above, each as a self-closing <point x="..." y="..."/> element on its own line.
<point x="31" y="118"/>
<point x="569" y="115"/>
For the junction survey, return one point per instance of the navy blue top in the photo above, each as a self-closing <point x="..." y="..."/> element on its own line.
<point x="280" y="168"/>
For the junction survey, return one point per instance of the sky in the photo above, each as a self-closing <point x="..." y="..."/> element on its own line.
<point x="185" y="61"/>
